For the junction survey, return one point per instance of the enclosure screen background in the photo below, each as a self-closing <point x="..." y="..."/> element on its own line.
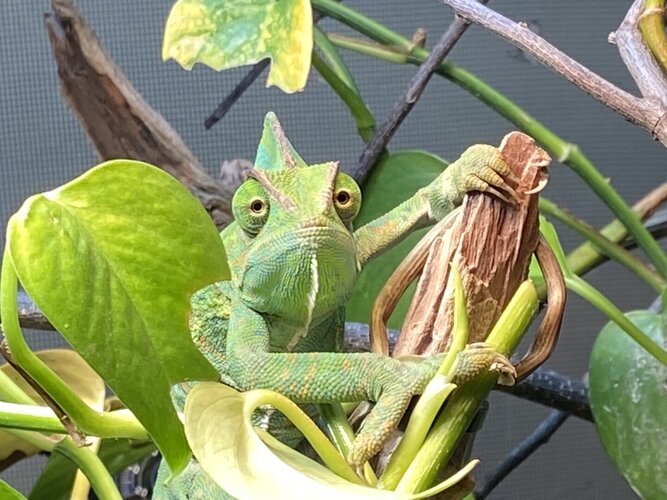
<point x="42" y="146"/>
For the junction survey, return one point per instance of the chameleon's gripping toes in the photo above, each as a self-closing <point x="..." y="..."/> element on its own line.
<point x="294" y="256"/>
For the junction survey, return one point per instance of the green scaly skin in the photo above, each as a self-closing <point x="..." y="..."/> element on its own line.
<point x="294" y="256"/>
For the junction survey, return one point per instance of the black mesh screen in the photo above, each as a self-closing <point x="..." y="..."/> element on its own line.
<point x="41" y="147"/>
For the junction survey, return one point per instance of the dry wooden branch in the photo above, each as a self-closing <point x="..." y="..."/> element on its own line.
<point x="648" y="112"/>
<point x="491" y="243"/>
<point x="643" y="68"/>
<point x="117" y="120"/>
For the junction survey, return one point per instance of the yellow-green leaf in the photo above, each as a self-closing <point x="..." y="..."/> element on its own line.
<point x="112" y="258"/>
<point x="9" y="493"/>
<point x="228" y="33"/>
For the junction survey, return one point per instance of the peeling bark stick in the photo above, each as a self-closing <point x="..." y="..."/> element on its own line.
<point x="491" y="244"/>
<point x="117" y="120"/>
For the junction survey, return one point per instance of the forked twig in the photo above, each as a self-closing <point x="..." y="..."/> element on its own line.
<point x="648" y="111"/>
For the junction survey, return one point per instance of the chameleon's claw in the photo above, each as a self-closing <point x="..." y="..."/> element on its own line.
<point x="479" y="357"/>
<point x="488" y="172"/>
<point x="487" y="188"/>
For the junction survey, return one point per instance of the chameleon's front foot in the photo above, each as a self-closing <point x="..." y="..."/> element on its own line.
<point x="409" y="381"/>
<point x="480" y="357"/>
<point x="399" y="382"/>
<point x="480" y="168"/>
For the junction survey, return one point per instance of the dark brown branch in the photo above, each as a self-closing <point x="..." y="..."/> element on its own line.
<point x="521" y="452"/>
<point x="407" y="101"/>
<point x="544" y="387"/>
<point x="227" y="103"/>
<point x="554" y="390"/>
<point x="117" y="120"/>
<point x="245" y="83"/>
<point x="71" y="428"/>
<point x="647" y="112"/>
<point x="29" y="314"/>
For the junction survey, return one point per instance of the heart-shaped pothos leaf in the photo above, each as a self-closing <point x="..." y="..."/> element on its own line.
<point x="628" y="393"/>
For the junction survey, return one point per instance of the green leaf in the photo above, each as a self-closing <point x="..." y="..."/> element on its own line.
<point x="228" y="33"/>
<point x="9" y="493"/>
<point x="394" y="180"/>
<point x="627" y="394"/>
<point x="112" y="258"/>
<point x="74" y="371"/>
<point x="56" y="480"/>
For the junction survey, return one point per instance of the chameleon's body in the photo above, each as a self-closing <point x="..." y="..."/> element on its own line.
<point x="294" y="257"/>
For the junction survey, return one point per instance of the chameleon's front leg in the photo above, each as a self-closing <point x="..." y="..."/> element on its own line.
<point x="480" y="168"/>
<point x="322" y="377"/>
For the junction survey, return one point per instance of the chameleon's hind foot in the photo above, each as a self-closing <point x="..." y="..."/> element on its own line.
<point x="480" y="357"/>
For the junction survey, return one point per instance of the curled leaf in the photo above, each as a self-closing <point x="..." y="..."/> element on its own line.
<point x="245" y="465"/>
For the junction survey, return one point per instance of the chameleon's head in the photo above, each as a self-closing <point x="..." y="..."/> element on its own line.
<point x="293" y="249"/>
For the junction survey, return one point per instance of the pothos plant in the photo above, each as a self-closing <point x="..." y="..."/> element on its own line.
<point x="112" y="257"/>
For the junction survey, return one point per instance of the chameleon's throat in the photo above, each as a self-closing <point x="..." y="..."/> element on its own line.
<point x="311" y="300"/>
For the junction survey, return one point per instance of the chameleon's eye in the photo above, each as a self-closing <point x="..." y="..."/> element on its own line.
<point x="346" y="197"/>
<point x="343" y="198"/>
<point x="257" y="206"/>
<point x="250" y="207"/>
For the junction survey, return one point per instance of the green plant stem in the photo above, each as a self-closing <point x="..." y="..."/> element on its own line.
<point x="653" y="30"/>
<point x="462" y="406"/>
<point x="598" y="300"/>
<point x="604" y="305"/>
<point x="337" y="426"/>
<point x="434" y="395"/>
<point x="607" y="247"/>
<point x="30" y="417"/>
<point x="460" y="327"/>
<point x="586" y="256"/>
<point x="561" y="150"/>
<point x="10" y="391"/>
<point x="91" y="465"/>
<point x="333" y="60"/>
<point x="341" y="433"/>
<point x="92" y="422"/>
<point x="363" y="118"/>
<point x="367" y="48"/>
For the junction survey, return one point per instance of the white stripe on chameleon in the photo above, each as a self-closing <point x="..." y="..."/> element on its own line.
<point x="312" y="298"/>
